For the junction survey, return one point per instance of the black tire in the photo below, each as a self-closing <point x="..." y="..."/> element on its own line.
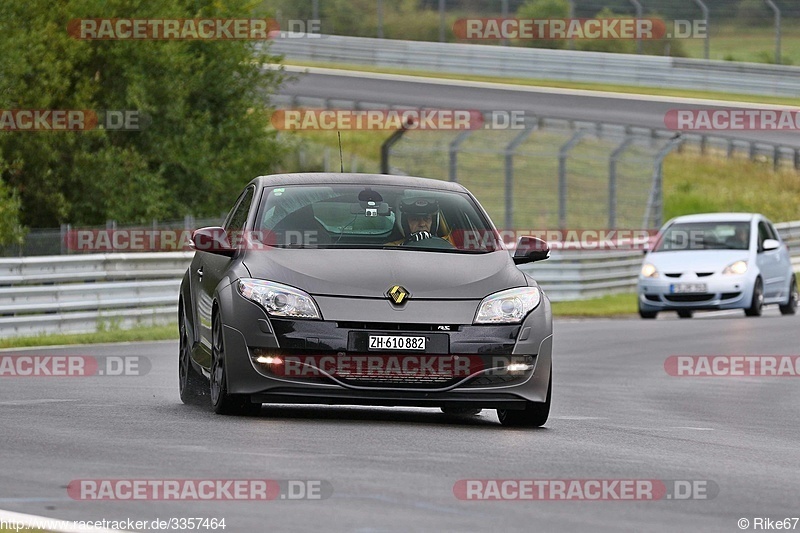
<point x="757" y="303"/>
<point x="791" y="306"/>
<point x="649" y="315"/>
<point x="191" y="385"/>
<point x="534" y="415"/>
<point x="685" y="313"/>
<point x="222" y="402"/>
<point x="461" y="411"/>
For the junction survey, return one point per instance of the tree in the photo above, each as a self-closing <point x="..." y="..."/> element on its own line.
<point x="207" y="103"/>
<point x="544" y="9"/>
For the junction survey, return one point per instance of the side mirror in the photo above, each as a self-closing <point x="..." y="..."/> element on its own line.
<point x="530" y="250"/>
<point x="214" y="240"/>
<point x="771" y="244"/>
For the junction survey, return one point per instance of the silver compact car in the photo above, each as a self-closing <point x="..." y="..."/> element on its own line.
<point x="364" y="289"/>
<point x="717" y="261"/>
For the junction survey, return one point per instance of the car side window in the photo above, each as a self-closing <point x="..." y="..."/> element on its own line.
<point x="238" y="218"/>
<point x="773" y="232"/>
<point x="763" y="235"/>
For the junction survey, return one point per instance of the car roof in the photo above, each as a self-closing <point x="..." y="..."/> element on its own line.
<point x="716" y="217"/>
<point x="333" y="178"/>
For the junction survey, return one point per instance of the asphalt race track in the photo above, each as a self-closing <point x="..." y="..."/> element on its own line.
<point x="617" y="414"/>
<point x="452" y="94"/>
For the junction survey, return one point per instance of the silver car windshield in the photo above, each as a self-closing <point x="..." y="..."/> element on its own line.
<point x="705" y="236"/>
<point x="375" y="216"/>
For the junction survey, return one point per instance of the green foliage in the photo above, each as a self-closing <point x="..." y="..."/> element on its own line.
<point x="207" y="102"/>
<point x="671" y="47"/>
<point x="544" y="9"/>
<point x="10" y="230"/>
<point x="753" y="13"/>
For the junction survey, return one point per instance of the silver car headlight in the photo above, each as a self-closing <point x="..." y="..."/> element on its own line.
<point x="736" y="269"/>
<point x="649" y="271"/>
<point x="508" y="307"/>
<point x="280" y="300"/>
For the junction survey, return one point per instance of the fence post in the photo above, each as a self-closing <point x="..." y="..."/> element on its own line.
<point x="639" y="15"/>
<point x="441" y="21"/>
<point x="504" y="11"/>
<point x="655" y="202"/>
<point x="706" y="18"/>
<point x="612" y="180"/>
<point x="777" y="12"/>
<point x="452" y="174"/>
<point x="387" y="146"/>
<point x="509" y="168"/>
<point x="571" y="16"/>
<point x="380" y="19"/>
<point x="563" y="152"/>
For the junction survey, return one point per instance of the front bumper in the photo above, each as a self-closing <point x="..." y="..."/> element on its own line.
<point x="723" y="292"/>
<point x="248" y="332"/>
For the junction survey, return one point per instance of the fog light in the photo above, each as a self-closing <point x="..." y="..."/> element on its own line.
<point x="269" y="360"/>
<point x="519" y="367"/>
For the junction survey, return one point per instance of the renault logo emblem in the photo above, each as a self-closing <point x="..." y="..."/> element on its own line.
<point x="398" y="295"/>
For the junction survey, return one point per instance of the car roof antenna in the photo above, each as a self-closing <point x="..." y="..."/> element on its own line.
<point x="341" y="157"/>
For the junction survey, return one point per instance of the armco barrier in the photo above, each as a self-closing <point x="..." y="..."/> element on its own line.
<point x="72" y="294"/>
<point x="76" y="294"/>
<point x="565" y="65"/>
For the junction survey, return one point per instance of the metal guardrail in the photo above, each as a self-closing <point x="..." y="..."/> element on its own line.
<point x="569" y="65"/>
<point x="75" y="294"/>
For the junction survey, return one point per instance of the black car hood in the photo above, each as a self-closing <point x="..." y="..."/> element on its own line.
<point x="370" y="273"/>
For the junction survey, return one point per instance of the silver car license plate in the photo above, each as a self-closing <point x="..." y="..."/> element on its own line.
<point x="684" y="288"/>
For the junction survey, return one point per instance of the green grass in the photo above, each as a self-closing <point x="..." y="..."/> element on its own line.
<point x="753" y="44"/>
<point x="612" y="305"/>
<point x="153" y="333"/>
<point x="603" y="87"/>
<point x="697" y="184"/>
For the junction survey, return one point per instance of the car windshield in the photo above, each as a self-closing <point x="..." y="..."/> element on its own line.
<point x="705" y="236"/>
<point x="376" y="216"/>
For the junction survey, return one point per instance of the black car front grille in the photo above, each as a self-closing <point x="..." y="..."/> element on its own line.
<point x="689" y="297"/>
<point x="730" y="295"/>
<point x="428" y="381"/>
<point x="393" y="326"/>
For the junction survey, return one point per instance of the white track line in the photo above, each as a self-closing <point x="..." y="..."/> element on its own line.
<point x="528" y="88"/>
<point x="47" y="524"/>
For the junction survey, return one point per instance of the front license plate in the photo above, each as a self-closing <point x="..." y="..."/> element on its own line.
<point x="396" y="342"/>
<point x="683" y="288"/>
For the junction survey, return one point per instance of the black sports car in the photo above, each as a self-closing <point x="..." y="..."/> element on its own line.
<point x="364" y="289"/>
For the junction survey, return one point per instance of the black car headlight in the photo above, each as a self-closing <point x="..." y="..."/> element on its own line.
<point x="280" y="300"/>
<point x="508" y="307"/>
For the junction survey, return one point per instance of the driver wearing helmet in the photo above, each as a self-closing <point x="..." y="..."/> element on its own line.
<point x="420" y="219"/>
